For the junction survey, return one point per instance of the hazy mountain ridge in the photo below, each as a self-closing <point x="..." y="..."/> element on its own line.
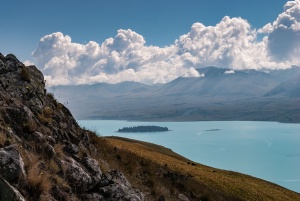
<point x="290" y="88"/>
<point x="222" y="94"/>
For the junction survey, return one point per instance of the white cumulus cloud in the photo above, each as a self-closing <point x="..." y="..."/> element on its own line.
<point x="28" y="63"/>
<point x="193" y="73"/>
<point x="231" y="43"/>
<point x="124" y="57"/>
<point x="284" y="34"/>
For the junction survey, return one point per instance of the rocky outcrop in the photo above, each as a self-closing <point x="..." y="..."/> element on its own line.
<point x="44" y="154"/>
<point x="11" y="163"/>
<point x="8" y="192"/>
<point x="182" y="197"/>
<point x="120" y="188"/>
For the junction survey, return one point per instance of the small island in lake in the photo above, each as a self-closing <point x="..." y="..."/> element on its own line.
<point x="137" y="129"/>
<point x="214" y="129"/>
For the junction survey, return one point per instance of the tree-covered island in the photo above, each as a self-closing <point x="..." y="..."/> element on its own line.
<point x="137" y="129"/>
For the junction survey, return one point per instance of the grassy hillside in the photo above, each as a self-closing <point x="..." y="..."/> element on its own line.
<point x="159" y="171"/>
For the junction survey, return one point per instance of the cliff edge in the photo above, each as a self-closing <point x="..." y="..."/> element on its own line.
<point x="44" y="154"/>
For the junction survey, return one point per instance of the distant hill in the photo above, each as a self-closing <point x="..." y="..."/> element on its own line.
<point x="290" y="89"/>
<point x="220" y="94"/>
<point x="220" y="82"/>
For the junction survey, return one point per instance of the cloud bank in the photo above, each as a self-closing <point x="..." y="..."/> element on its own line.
<point x="126" y="57"/>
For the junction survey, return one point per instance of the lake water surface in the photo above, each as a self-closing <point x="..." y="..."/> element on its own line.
<point x="266" y="150"/>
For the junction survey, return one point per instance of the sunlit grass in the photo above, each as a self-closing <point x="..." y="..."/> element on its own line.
<point x="203" y="181"/>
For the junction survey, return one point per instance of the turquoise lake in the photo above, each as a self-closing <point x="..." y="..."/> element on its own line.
<point x="267" y="150"/>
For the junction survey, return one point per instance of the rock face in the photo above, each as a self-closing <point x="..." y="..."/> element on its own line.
<point x="8" y="192"/>
<point x="44" y="154"/>
<point x="11" y="163"/>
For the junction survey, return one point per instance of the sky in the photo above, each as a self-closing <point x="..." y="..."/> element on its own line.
<point x="148" y="41"/>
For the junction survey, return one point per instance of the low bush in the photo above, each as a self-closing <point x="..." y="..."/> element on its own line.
<point x="48" y="112"/>
<point x="46" y="120"/>
<point x="25" y="74"/>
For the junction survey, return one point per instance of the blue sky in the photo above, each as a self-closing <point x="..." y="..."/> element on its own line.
<point x="159" y="22"/>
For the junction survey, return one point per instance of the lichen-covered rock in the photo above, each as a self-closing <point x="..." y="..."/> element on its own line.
<point x="77" y="177"/>
<point x="106" y="180"/>
<point x="120" y="189"/>
<point x="182" y="197"/>
<point x="85" y="140"/>
<point x="112" y="192"/>
<point x="8" y="192"/>
<point x="94" y="169"/>
<point x="9" y="64"/>
<point x="92" y="165"/>
<point x="92" y="196"/>
<point x="12" y="62"/>
<point x="134" y="195"/>
<point x="21" y="117"/>
<point x="49" y="151"/>
<point x="11" y="163"/>
<point x="119" y="178"/>
<point x="71" y="148"/>
<point x="38" y="137"/>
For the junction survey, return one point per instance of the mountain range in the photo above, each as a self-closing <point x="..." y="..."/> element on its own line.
<point x="218" y="94"/>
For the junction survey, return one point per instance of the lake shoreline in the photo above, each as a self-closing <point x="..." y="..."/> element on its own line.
<point x="249" y="147"/>
<point x="162" y="120"/>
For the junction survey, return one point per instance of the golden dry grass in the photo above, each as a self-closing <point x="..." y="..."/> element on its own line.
<point x="2" y="138"/>
<point x="48" y="112"/>
<point x="206" y="182"/>
<point x="38" y="181"/>
<point x="58" y="148"/>
<point x="60" y="182"/>
<point x="45" y="120"/>
<point x="53" y="166"/>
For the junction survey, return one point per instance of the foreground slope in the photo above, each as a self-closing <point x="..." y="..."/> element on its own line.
<point x="159" y="171"/>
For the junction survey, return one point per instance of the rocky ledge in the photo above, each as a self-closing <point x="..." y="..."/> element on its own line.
<point x="44" y="154"/>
